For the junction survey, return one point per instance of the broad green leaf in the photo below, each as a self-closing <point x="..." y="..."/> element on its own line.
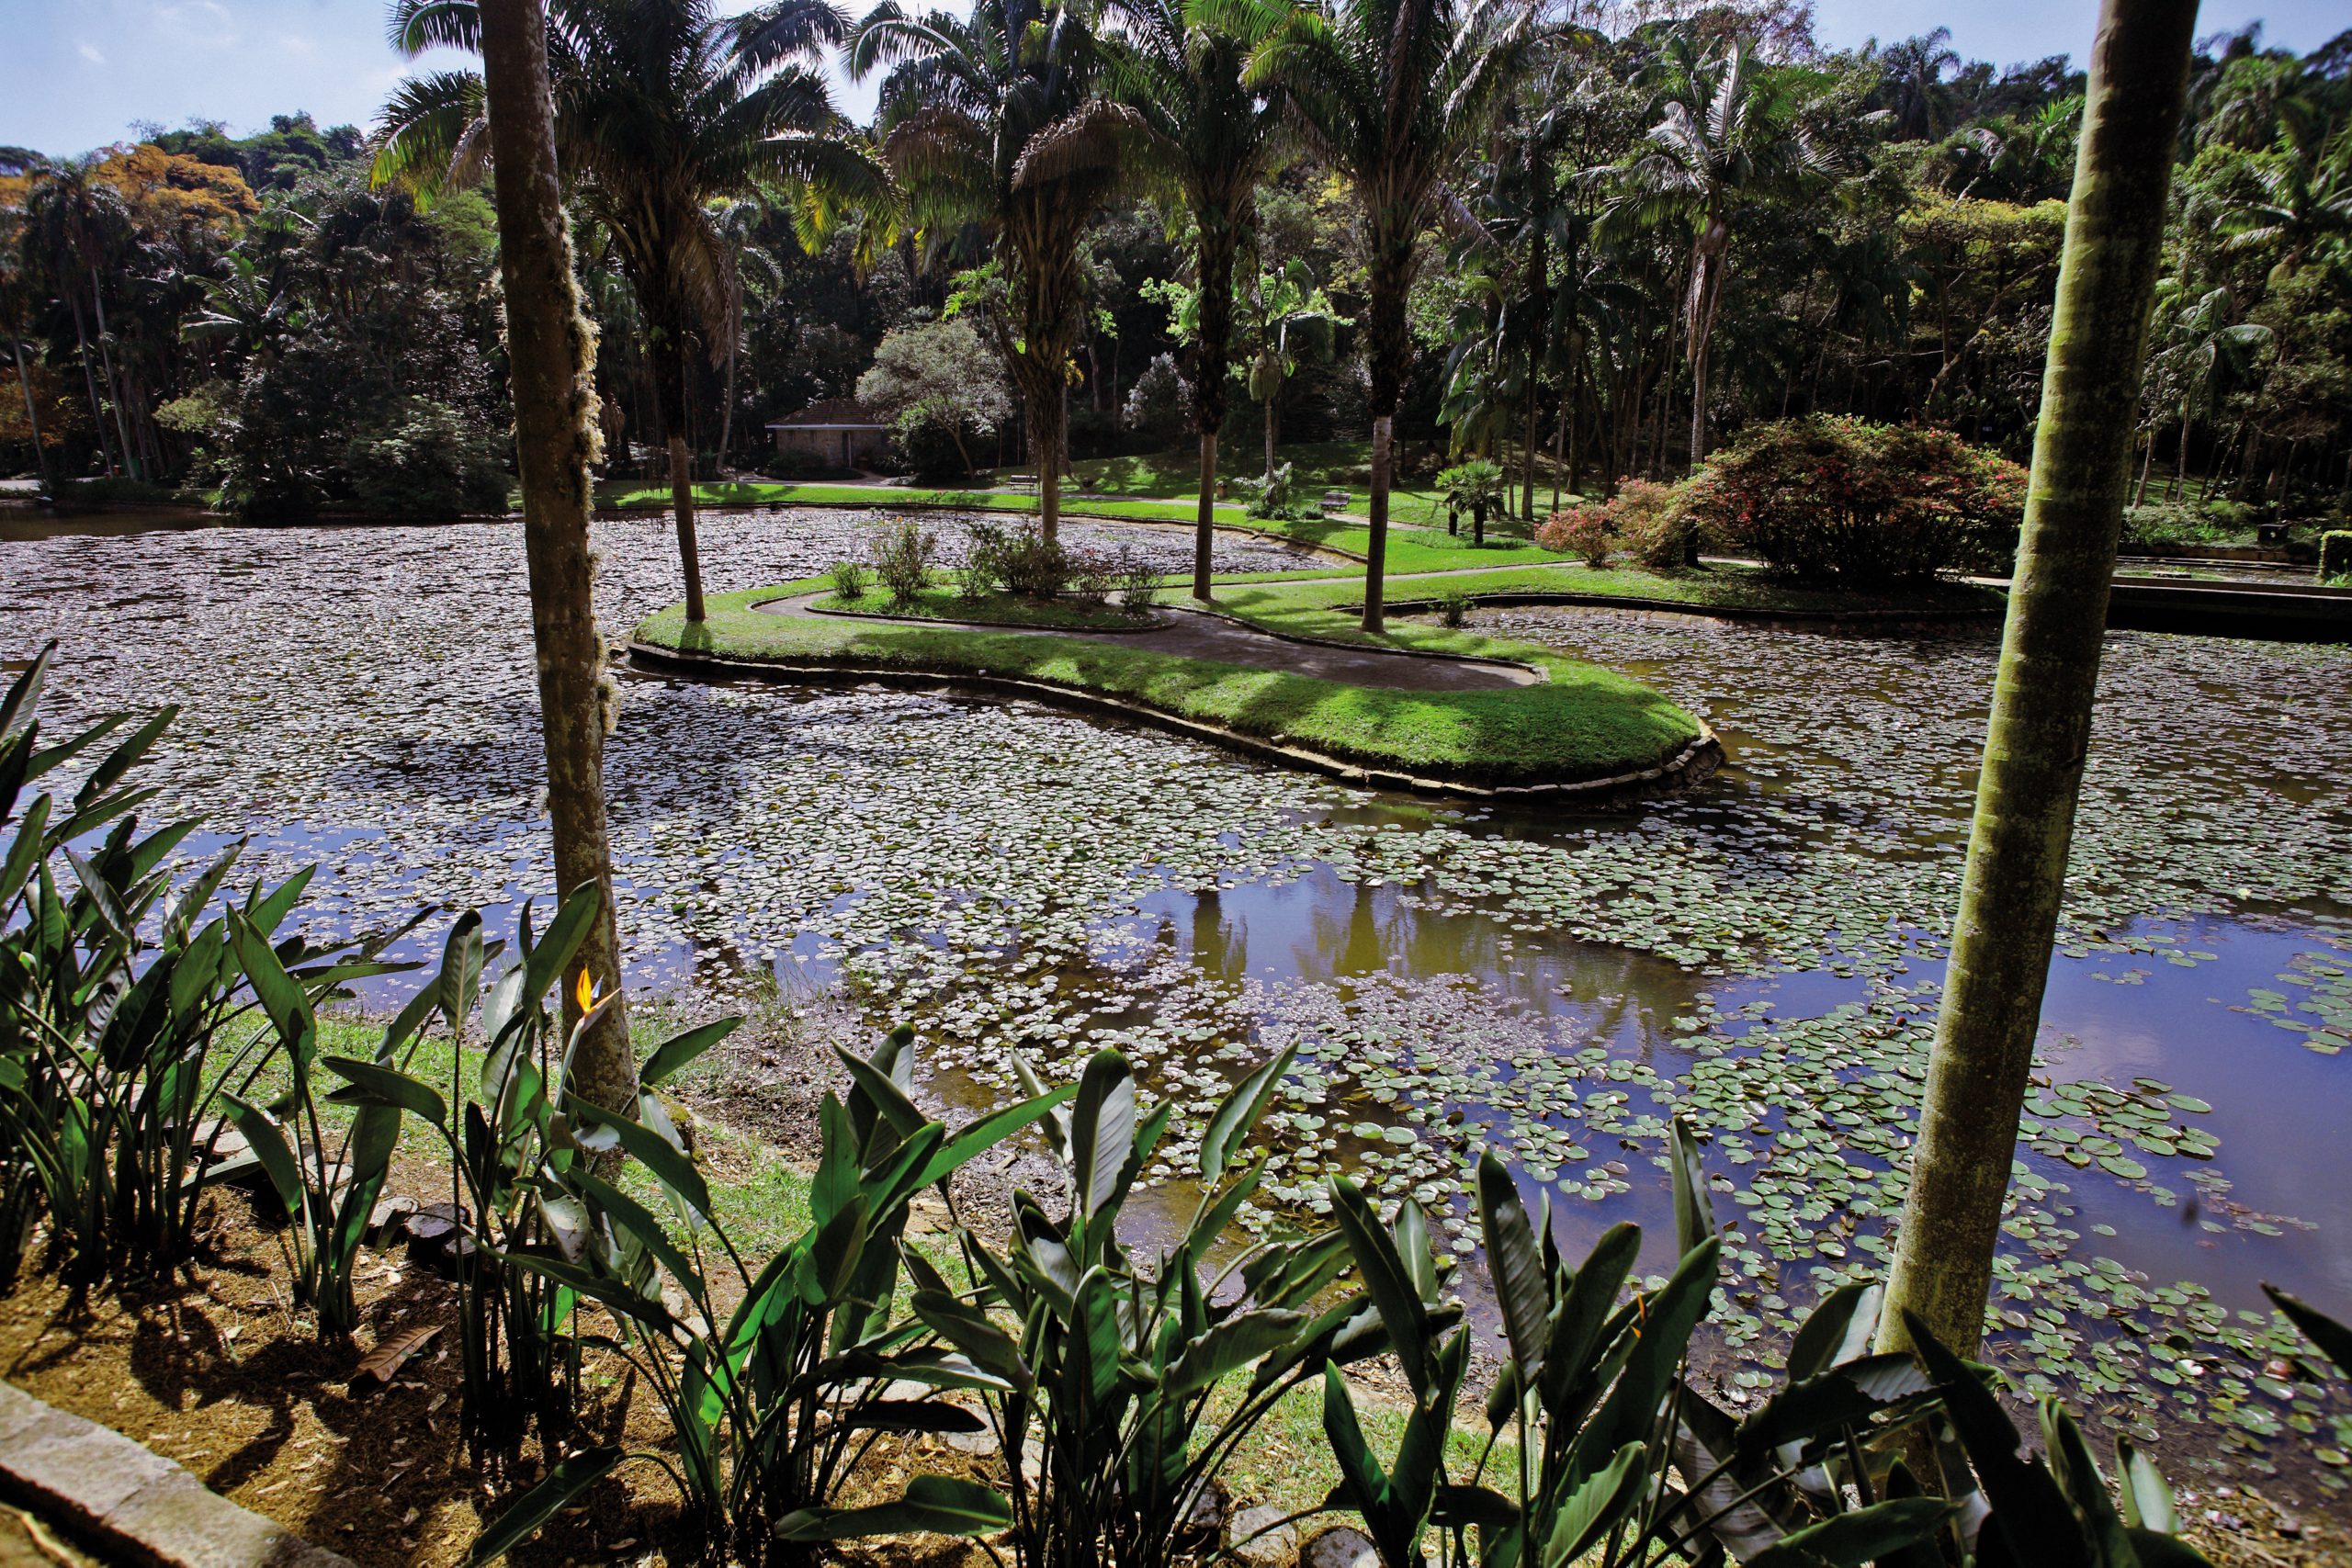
<point x="1863" y="1536"/>
<point x="937" y="1504"/>
<point x="1593" y="1509"/>
<point x="1516" y="1265"/>
<point x="543" y="1502"/>
<point x="682" y="1048"/>
<point x="1240" y="1111"/>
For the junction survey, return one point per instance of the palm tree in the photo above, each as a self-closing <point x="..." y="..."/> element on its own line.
<point x="1176" y="67"/>
<point x="1726" y="128"/>
<point x="2205" y="351"/>
<point x="1391" y="92"/>
<point x="964" y="106"/>
<point x="78" y="224"/>
<point x="1286" y="318"/>
<point x="1911" y="84"/>
<point x="2040" y="723"/>
<point x="555" y="422"/>
<point x="661" y="109"/>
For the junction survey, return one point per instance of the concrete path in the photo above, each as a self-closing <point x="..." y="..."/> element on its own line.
<point x="1186" y="633"/>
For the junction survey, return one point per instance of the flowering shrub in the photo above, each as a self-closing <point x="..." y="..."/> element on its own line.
<point x="1647" y="521"/>
<point x="1863" y="505"/>
<point x="1579" y="531"/>
<point x="1653" y="523"/>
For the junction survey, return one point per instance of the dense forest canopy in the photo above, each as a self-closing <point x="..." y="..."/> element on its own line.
<point x="1657" y="235"/>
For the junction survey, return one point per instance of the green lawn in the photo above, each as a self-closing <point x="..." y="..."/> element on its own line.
<point x="1582" y="722"/>
<point x="941" y="603"/>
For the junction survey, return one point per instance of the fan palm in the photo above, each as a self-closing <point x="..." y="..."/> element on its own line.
<point x="1726" y="129"/>
<point x="964" y="106"/>
<point x="661" y="109"/>
<point x="1391" y="92"/>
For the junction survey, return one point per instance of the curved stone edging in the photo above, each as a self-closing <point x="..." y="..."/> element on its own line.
<point x="1687" y="767"/>
<point x="129" y="1502"/>
<point x="1512" y="598"/>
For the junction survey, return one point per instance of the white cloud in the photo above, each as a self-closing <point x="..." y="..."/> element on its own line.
<point x="206" y="23"/>
<point x="90" y="52"/>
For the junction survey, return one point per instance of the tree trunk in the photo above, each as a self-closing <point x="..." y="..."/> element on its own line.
<point x="670" y="406"/>
<point x="2147" y="461"/>
<point x="32" y="419"/>
<point x="1269" y="440"/>
<point x="1375" y="554"/>
<point x="2048" y="677"/>
<point x="552" y="353"/>
<point x="1204" y="530"/>
<point x="114" y="386"/>
<point x="1049" y="421"/>
<point x="90" y="383"/>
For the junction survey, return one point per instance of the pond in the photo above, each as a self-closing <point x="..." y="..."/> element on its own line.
<point x="1761" y="957"/>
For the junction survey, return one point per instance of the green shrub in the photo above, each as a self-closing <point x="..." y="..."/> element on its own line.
<point x="849" y="580"/>
<point x="425" y="460"/>
<point x="115" y="491"/>
<point x="2336" y="554"/>
<point x="1034" y="566"/>
<point x="1841" y="499"/>
<point x="903" y="549"/>
<point x="1276" y="498"/>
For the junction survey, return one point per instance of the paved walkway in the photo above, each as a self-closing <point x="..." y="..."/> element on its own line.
<point x="1194" y="634"/>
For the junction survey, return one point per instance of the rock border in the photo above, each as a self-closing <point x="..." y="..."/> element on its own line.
<point x="1531" y="598"/>
<point x="134" y="1504"/>
<point x="1692" y="763"/>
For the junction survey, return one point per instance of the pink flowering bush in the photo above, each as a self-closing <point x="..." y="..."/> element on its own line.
<point x="1646" y="521"/>
<point x="1862" y="506"/>
<point x="1579" y="531"/>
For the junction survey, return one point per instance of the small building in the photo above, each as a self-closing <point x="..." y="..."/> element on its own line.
<point x="840" y="433"/>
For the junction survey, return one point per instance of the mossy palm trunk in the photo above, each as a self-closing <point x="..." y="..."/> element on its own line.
<point x="552" y="351"/>
<point x="1211" y="359"/>
<point x="670" y="388"/>
<point x="1204" y="524"/>
<point x="2048" y="677"/>
<point x="1391" y="349"/>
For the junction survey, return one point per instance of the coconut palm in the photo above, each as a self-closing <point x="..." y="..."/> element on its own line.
<point x="1391" y="92"/>
<point x="1726" y="129"/>
<point x="964" y="106"/>
<point x="662" y="107"/>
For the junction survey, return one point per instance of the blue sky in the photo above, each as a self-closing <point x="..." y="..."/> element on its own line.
<point x="76" y="73"/>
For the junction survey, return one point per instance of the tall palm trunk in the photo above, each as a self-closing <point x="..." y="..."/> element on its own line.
<point x="670" y="408"/>
<point x="1204" y="524"/>
<point x="1391" y="281"/>
<point x="90" y="381"/>
<point x="114" y="386"/>
<point x="2040" y="723"/>
<point x="1212" y="362"/>
<point x="32" y="418"/>
<point x="552" y="352"/>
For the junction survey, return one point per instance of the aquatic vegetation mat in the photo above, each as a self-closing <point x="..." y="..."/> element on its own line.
<point x="1763" y="957"/>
